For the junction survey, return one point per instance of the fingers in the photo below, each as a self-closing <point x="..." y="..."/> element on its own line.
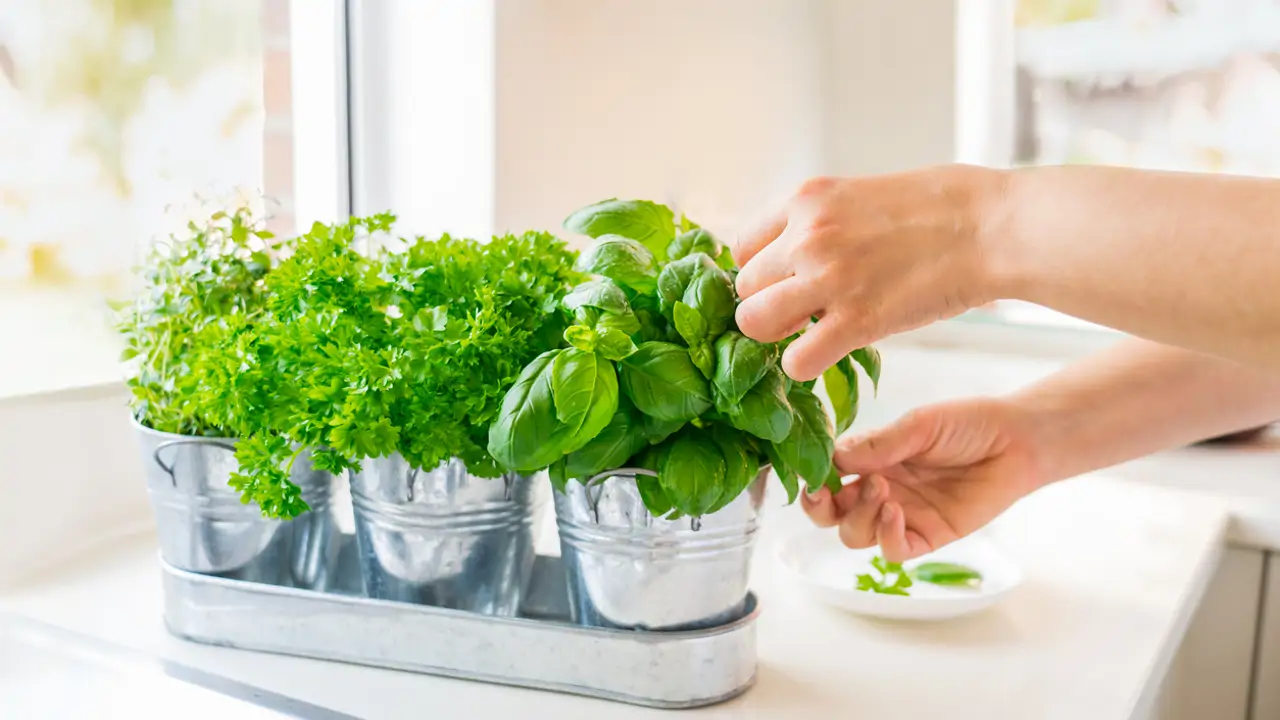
<point x="778" y="311"/>
<point x="771" y="265"/>
<point x="820" y="347"/>
<point x="897" y="543"/>
<point x="858" y="525"/>
<point x="757" y="237"/>
<point x="886" y="447"/>
<point x="821" y="508"/>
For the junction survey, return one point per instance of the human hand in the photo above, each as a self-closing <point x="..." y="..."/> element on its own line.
<point x="868" y="257"/>
<point x="934" y="476"/>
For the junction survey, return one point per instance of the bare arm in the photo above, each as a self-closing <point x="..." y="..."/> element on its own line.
<point x="1140" y="397"/>
<point x="1183" y="259"/>
<point x="943" y="471"/>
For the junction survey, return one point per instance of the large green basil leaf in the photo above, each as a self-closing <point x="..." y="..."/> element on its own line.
<point x="740" y="363"/>
<point x="692" y="241"/>
<point x="674" y="280"/>
<point x="658" y="430"/>
<point x="623" y="260"/>
<point x="810" y="445"/>
<point x="663" y="382"/>
<point x="785" y="474"/>
<point x="869" y="358"/>
<point x="601" y="293"/>
<point x="841" y="384"/>
<point x="742" y="462"/>
<point x="693" y="472"/>
<point x="765" y="410"/>
<point x="648" y="222"/>
<point x="710" y="292"/>
<point x="528" y="435"/>
<point x="622" y="438"/>
<point x="584" y="388"/>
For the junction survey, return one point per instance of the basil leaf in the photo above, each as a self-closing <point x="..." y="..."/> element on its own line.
<point x="623" y="437"/>
<point x="869" y="358"/>
<point x="742" y="463"/>
<point x="765" y="411"/>
<point x="841" y="383"/>
<point x="809" y="446"/>
<point x="528" y="434"/>
<point x="943" y="573"/>
<point x="740" y="363"/>
<point x="623" y="260"/>
<point x="725" y="260"/>
<point x="601" y="293"/>
<point x="615" y="344"/>
<point x="692" y="241"/>
<point x="627" y="322"/>
<point x="584" y="389"/>
<point x="689" y="324"/>
<point x="662" y="381"/>
<point x="785" y="474"/>
<point x="658" y="430"/>
<point x="703" y="358"/>
<point x="648" y="222"/>
<point x="558" y="475"/>
<point x="654" y="497"/>
<point x="710" y="292"/>
<point x="651" y="326"/>
<point x="693" y="472"/>
<point x="674" y="280"/>
<point x="580" y="337"/>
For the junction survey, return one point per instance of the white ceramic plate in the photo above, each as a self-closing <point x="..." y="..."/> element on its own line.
<point x="829" y="570"/>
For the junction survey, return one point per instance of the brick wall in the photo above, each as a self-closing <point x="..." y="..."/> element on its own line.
<point x="277" y="137"/>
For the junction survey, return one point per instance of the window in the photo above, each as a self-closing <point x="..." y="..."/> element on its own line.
<point x="1176" y="84"/>
<point x="119" y="121"/>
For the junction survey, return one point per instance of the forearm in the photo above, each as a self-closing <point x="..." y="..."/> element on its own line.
<point x="1139" y="398"/>
<point x="1182" y="259"/>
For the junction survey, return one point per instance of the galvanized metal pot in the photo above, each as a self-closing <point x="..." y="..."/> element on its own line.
<point x="203" y="526"/>
<point x="627" y="569"/>
<point x="444" y="537"/>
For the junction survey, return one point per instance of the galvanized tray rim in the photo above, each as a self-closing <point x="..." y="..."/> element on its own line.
<point x="748" y="618"/>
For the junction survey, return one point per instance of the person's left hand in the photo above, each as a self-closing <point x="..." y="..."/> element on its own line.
<point x="936" y="475"/>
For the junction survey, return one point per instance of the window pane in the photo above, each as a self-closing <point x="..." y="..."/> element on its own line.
<point x="120" y="120"/>
<point x="1177" y="85"/>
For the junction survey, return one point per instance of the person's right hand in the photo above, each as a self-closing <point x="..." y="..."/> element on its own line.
<point x="934" y="476"/>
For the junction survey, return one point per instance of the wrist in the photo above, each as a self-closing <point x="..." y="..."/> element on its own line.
<point x="994" y="222"/>
<point x="1050" y="422"/>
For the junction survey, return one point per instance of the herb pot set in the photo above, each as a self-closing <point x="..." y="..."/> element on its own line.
<point x="458" y="386"/>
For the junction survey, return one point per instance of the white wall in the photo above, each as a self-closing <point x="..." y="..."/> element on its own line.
<point x="717" y="106"/>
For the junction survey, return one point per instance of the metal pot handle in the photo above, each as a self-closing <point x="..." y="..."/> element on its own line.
<point x="596" y="483"/>
<point x="168" y="469"/>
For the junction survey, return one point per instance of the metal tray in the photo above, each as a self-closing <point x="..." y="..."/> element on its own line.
<point x="540" y="649"/>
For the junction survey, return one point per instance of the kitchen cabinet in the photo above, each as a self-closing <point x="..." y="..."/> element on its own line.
<point x="1210" y="676"/>
<point x="1266" y="677"/>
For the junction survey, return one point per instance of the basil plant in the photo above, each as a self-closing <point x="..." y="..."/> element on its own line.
<point x="653" y="373"/>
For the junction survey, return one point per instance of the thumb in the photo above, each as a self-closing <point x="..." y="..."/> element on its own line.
<point x="879" y="449"/>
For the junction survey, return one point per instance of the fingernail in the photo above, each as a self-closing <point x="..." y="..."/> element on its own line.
<point x="873" y="489"/>
<point x="886" y="514"/>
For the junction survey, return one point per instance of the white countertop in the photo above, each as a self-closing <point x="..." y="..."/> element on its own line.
<point x="1113" y="572"/>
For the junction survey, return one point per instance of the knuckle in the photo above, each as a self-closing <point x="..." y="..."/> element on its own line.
<point x="817" y="186"/>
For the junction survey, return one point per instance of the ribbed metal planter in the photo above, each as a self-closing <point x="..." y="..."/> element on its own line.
<point x="203" y="526"/>
<point x="627" y="569"/>
<point x="444" y="537"/>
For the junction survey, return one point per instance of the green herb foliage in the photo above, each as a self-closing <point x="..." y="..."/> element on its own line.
<point x="893" y="579"/>
<point x="355" y="353"/>
<point x="695" y="401"/>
